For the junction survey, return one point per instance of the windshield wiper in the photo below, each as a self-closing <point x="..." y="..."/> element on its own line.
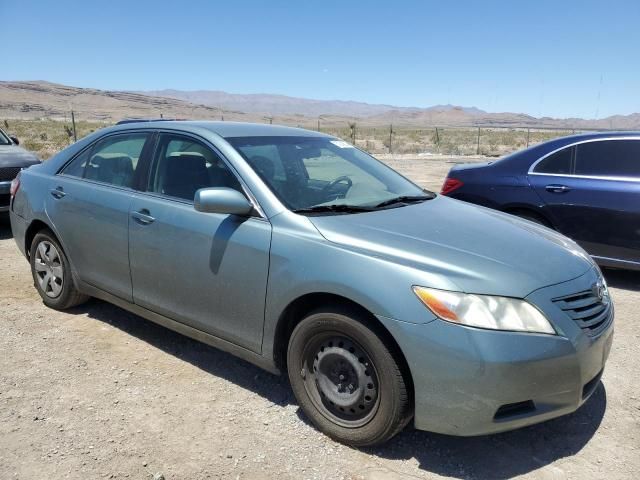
<point x="338" y="208"/>
<point x="405" y="199"/>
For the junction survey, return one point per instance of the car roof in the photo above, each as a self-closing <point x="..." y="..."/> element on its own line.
<point x="523" y="158"/>
<point x="224" y="129"/>
<point x="579" y="137"/>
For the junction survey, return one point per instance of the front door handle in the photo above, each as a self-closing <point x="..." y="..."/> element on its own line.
<point x="143" y="217"/>
<point x="57" y="192"/>
<point x="557" y="188"/>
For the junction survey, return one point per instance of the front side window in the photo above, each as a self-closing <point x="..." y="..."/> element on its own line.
<point x="609" y="158"/>
<point x="112" y="160"/>
<point x="308" y="172"/>
<point x="558" y="163"/>
<point x="183" y="165"/>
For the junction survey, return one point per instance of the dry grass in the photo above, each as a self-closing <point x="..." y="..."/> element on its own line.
<point x="47" y="137"/>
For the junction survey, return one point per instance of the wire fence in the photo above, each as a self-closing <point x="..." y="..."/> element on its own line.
<point x="46" y="136"/>
<point x="489" y="141"/>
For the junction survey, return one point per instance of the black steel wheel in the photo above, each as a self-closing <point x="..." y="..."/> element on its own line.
<point x="341" y="379"/>
<point x="347" y="379"/>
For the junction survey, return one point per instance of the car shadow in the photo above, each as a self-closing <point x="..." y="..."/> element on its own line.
<point x="209" y="359"/>
<point x="625" y="279"/>
<point x="496" y="456"/>
<point x="5" y="227"/>
<point x="502" y="455"/>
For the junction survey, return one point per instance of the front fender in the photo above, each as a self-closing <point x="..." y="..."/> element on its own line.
<point x="309" y="264"/>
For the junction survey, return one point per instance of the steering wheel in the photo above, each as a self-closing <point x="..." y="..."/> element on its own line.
<point x="331" y="185"/>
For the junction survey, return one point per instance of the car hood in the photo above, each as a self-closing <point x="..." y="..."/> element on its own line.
<point x="14" y="156"/>
<point x="471" y="248"/>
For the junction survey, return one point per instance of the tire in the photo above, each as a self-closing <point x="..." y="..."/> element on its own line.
<point x="52" y="273"/>
<point x="347" y="379"/>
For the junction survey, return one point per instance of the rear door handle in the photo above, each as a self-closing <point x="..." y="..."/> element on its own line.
<point x="143" y="217"/>
<point x="557" y="188"/>
<point x="57" y="192"/>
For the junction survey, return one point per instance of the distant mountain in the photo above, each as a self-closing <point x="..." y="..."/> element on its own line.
<point x="43" y="99"/>
<point x="38" y="99"/>
<point x="274" y="105"/>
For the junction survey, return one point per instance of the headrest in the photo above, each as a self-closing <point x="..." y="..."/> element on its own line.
<point x="264" y="166"/>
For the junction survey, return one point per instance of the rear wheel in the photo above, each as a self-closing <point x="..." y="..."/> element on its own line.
<point x="52" y="274"/>
<point x="347" y="380"/>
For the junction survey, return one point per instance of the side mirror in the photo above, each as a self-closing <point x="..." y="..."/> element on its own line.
<point x="222" y="200"/>
<point x="15" y="140"/>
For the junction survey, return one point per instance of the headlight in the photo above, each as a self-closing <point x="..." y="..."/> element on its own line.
<point x="484" y="311"/>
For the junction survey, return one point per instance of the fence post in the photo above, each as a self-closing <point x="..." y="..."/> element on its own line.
<point x="73" y="122"/>
<point x="318" y="123"/>
<point x="437" y="139"/>
<point x="478" y="145"/>
<point x="528" y="133"/>
<point x="390" y="137"/>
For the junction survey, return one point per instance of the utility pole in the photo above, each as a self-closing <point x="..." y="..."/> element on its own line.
<point x="478" y="146"/>
<point x="390" y="137"/>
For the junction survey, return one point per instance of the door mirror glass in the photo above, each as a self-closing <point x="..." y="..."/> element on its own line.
<point x="222" y="200"/>
<point x="15" y="140"/>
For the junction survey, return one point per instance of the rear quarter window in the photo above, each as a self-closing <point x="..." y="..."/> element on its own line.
<point x="558" y="163"/>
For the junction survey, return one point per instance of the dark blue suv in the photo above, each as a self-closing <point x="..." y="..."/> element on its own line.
<point x="585" y="186"/>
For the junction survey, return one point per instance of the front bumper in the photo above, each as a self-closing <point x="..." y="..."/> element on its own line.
<point x="470" y="381"/>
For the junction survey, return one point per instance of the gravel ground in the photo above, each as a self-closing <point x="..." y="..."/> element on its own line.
<point x="96" y="392"/>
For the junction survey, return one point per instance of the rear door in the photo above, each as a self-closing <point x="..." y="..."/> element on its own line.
<point x="88" y="203"/>
<point x="206" y="270"/>
<point x="597" y="202"/>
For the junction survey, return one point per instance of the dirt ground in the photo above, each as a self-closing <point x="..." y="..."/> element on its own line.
<point x="97" y="392"/>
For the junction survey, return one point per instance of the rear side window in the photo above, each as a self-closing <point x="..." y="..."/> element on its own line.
<point x="557" y="163"/>
<point x="609" y="158"/>
<point x="182" y="165"/>
<point x="113" y="160"/>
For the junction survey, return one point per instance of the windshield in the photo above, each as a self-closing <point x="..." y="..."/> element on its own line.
<point x="318" y="172"/>
<point x="4" y="139"/>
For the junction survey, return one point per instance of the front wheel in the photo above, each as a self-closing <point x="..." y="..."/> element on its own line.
<point x="347" y="379"/>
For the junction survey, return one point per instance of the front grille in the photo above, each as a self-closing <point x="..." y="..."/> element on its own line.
<point x="9" y="173"/>
<point x="591" y="312"/>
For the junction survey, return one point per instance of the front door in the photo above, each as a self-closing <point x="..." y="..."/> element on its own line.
<point x="206" y="270"/>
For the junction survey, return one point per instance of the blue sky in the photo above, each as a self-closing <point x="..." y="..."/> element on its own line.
<point x="546" y="58"/>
